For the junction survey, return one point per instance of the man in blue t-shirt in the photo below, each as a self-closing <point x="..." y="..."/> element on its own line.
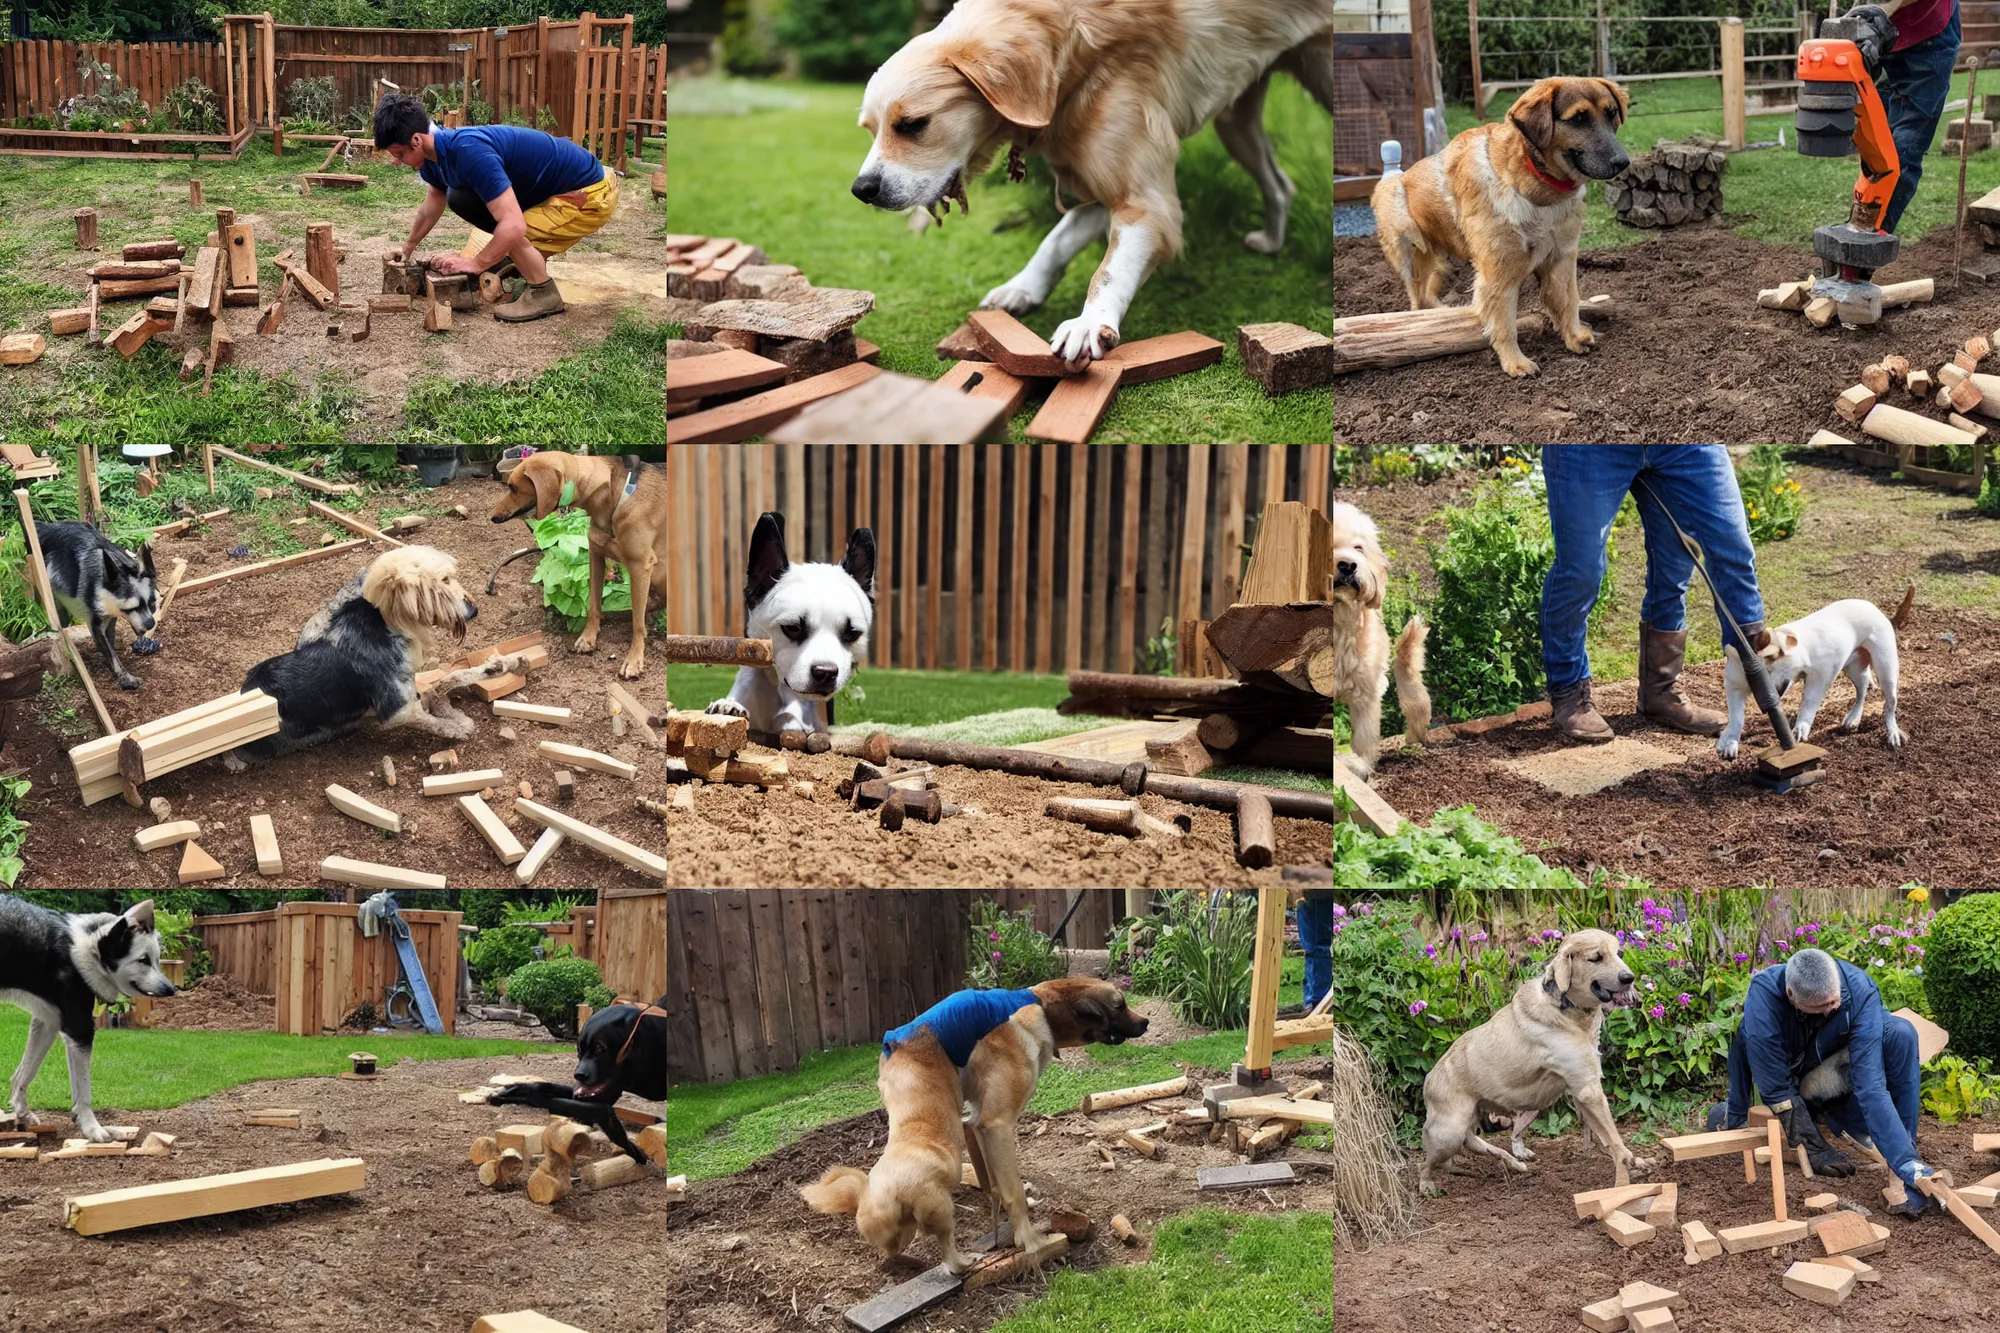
<point x="535" y="194"/>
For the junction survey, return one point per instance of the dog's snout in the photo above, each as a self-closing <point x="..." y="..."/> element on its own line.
<point x="1347" y="566"/>
<point x="1624" y="978"/>
<point x="471" y="611"/>
<point x="824" y="675"/>
<point x="868" y="186"/>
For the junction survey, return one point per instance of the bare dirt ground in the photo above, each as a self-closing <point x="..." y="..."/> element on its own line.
<point x="1688" y="356"/>
<point x="423" y="1247"/>
<point x="746" y="837"/>
<point x="745" y="1255"/>
<point x="212" y="636"/>
<point x="1504" y="1253"/>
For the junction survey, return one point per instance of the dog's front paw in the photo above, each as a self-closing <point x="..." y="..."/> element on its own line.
<point x="1518" y="366"/>
<point x="1726" y="746"/>
<point x="128" y="682"/>
<point x="1642" y="1166"/>
<point x="233" y="763"/>
<point x="95" y="1132"/>
<point x="729" y="706"/>
<point x="1082" y="339"/>
<point x="1524" y="1153"/>
<point x="1263" y="242"/>
<point x="1012" y="298"/>
<point x="586" y="642"/>
<point x="633" y="667"/>
<point x="1893" y="734"/>
<point x="1579" y="339"/>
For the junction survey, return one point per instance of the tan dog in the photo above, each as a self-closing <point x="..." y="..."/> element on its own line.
<point x="1362" y="660"/>
<point x="1508" y="199"/>
<point x="627" y="503"/>
<point x="1541" y="1046"/>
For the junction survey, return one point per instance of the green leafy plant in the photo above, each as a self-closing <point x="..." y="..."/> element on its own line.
<point x="316" y="100"/>
<point x="1962" y="974"/>
<point x="1773" y="500"/>
<point x="501" y="950"/>
<point x="1956" y="1089"/>
<point x="13" y="828"/>
<point x="844" y="39"/>
<point x="193" y="108"/>
<point x="1161" y="650"/>
<point x="552" y="990"/>
<point x="564" y="569"/>
<point x="1199" y="957"/>
<point x="105" y="103"/>
<point x="1008" y="952"/>
<point x="556" y="909"/>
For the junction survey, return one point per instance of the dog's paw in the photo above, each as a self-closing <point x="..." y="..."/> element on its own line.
<point x="1726" y="746"/>
<point x="1893" y="734"/>
<point x="128" y="682"/>
<point x="1012" y="298"/>
<point x="1518" y="366"/>
<point x="1080" y="339"/>
<point x="586" y="642"/>
<point x="232" y="763"/>
<point x="632" y="668"/>
<point x="1642" y="1166"/>
<point x="1263" y="242"/>
<point x="1430" y="1189"/>
<point x="512" y="662"/>
<point x="1579" y="339"/>
<point x="729" y="706"/>
<point x="1524" y="1153"/>
<point x="96" y="1133"/>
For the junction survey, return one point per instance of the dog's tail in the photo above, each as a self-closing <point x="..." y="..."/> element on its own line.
<point x="838" y="1191"/>
<point x="1902" y="615"/>
<point x="1408" y="666"/>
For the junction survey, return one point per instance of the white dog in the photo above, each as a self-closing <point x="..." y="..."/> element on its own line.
<point x="1105" y="90"/>
<point x="816" y="617"/>
<point x="1850" y="637"/>
<point x="1362" y="660"/>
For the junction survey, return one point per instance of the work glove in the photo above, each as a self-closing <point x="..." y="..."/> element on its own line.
<point x="1799" y="1129"/>
<point x="1877" y="35"/>
<point x="1916" y="1203"/>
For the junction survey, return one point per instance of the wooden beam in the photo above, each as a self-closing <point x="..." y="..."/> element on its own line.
<point x="351" y="523"/>
<point x="498" y="836"/>
<point x="55" y="619"/>
<point x="244" y="571"/>
<point x="371" y="875"/>
<point x="544" y="713"/>
<point x="451" y="784"/>
<point x="605" y="844"/>
<point x="310" y="483"/>
<point x="207" y="1196"/>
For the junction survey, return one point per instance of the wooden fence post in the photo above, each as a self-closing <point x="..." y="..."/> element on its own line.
<point x="1733" y="110"/>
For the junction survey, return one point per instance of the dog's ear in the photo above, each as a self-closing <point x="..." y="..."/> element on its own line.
<point x="547" y="483"/>
<point x="1534" y="114"/>
<point x="1621" y="102"/>
<point x="146" y="557"/>
<point x="1016" y="74"/>
<point x="1564" y="967"/>
<point x="768" y="561"/>
<point x="141" y="916"/>
<point x="859" y="562"/>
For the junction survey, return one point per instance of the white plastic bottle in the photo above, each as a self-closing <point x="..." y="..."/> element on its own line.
<point x="1392" y="158"/>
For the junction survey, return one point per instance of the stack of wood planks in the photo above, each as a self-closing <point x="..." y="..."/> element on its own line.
<point x="534" y="655"/>
<point x="103" y="768"/>
<point x="224" y="272"/>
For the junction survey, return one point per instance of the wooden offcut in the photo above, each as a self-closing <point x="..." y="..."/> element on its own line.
<point x="983" y="379"/>
<point x="207" y="1196"/>
<point x="1285" y="358"/>
<point x="372" y="875"/>
<point x="1819" y="1283"/>
<point x="264" y="837"/>
<point x="1687" y="1147"/>
<point x="1761" y="1236"/>
<point x="698" y="377"/>
<point x="240" y="245"/>
<point x="451" y="784"/>
<point x="815" y="314"/>
<point x="758" y="413"/>
<point x="521" y="1321"/>
<point x="1016" y="348"/>
<point x="1076" y="405"/>
<point x="135" y="332"/>
<point x="497" y="835"/>
<point x="546" y="714"/>
<point x="355" y="806"/>
<point x="197" y="865"/>
<point x="20" y="349"/>
<point x="1159" y="358"/>
<point x="605" y="844"/>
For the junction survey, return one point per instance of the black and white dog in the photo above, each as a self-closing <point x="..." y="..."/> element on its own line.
<point x="621" y="1049"/>
<point x="57" y="965"/>
<point x="96" y="582"/>
<point x="815" y="616"/>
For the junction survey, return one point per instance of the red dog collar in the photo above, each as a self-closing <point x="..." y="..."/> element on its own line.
<point x="1559" y="185"/>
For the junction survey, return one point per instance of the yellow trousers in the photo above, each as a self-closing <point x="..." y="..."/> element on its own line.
<point x="554" y="225"/>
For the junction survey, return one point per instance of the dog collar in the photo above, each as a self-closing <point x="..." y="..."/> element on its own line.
<point x="649" y="1011"/>
<point x="1561" y="186"/>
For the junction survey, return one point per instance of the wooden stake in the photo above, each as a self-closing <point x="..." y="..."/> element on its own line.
<point x="194" y="193"/>
<point x="1256" y="839"/>
<point x="86" y="228"/>
<point x="320" y="260"/>
<point x="1776" y="1136"/>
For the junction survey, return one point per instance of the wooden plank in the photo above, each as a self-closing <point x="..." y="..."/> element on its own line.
<point x="759" y="412"/>
<point x="451" y="784"/>
<point x="1016" y="348"/>
<point x="731" y="369"/>
<point x="497" y="835"/>
<point x="351" y="523"/>
<point x="1194" y="526"/>
<point x="900" y="1302"/>
<point x="264" y="836"/>
<point x="1128" y="561"/>
<point x="605" y="844"/>
<point x="767" y="953"/>
<point x="1761" y="1235"/>
<point x="1073" y="553"/>
<point x="934" y="559"/>
<point x="1720" y="1143"/>
<point x="577" y="756"/>
<point x="1045" y="556"/>
<point x="353" y="805"/>
<point x="1017" y="584"/>
<point x="543" y="713"/>
<point x="207" y="1196"/>
<point x="746" y="1020"/>
<point x="994" y="383"/>
<point x="1253" y="1175"/>
<point x="1098" y="566"/>
<point x="538" y="856"/>
<point x="296" y="478"/>
<point x="262" y="566"/>
<point x="1234" y="478"/>
<point x="1075" y="406"/>
<point x="1151" y="359"/>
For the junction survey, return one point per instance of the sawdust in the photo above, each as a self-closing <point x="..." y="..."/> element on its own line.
<point x="1583" y="769"/>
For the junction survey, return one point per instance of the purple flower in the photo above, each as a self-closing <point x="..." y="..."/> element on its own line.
<point x="1740" y="957"/>
<point x="1430" y="951"/>
<point x="1364" y="909"/>
<point x="1646" y="904"/>
<point x="1685" y="999"/>
<point x="1916" y="949"/>
<point x="1338" y="910"/>
<point x="1480" y="938"/>
<point x="993" y="935"/>
<point x="996" y="955"/>
<point x="1657" y="1011"/>
<point x="1417" y="1007"/>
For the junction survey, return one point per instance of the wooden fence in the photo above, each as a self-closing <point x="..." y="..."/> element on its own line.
<point x="756" y="980"/>
<point x="579" y="933"/>
<point x="969" y="569"/>
<point x="631" y="942"/>
<point x="313" y="957"/>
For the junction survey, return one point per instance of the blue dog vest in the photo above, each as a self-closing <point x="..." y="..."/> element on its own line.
<point x="959" y="1021"/>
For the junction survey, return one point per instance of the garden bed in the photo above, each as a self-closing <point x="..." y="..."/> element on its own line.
<point x="214" y="635"/>
<point x="1688" y="355"/>
<point x="745" y="1254"/>
<point x="424" y="1245"/>
<point x="1505" y="1252"/>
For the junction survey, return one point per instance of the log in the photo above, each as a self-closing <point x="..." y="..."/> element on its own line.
<point x="1108" y="817"/>
<point x="153" y="250"/>
<point x="21" y="349"/>
<point x="86" y="228"/>
<point x="1904" y="293"/>
<point x="74" y="319"/>
<point x="1285" y="358"/>
<point x="1399" y="337"/>
<point x="320" y="261"/>
<point x="713" y="650"/>
<point x="206" y="1196"/>
<point x="1256" y="841"/>
<point x="1900" y="427"/>
<point x="1147" y="1092"/>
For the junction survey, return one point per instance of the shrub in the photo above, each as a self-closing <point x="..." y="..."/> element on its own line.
<point x="498" y="952"/>
<point x="193" y="108"/>
<point x="1773" y="502"/>
<point x="749" y="46"/>
<point x="1962" y="974"/>
<point x="843" y="40"/>
<point x="1199" y="957"/>
<point x="1956" y="1089"/>
<point x="1008" y="952"/>
<point x="316" y="100"/>
<point x="551" y="991"/>
<point x="1457" y="852"/>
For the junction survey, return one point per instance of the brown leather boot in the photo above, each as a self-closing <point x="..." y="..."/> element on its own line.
<point x="1576" y="718"/>
<point x="1661" y="701"/>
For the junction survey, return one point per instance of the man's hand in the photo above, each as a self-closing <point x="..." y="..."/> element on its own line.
<point x="1800" y="1130"/>
<point x="451" y="263"/>
<point x="1877" y="36"/>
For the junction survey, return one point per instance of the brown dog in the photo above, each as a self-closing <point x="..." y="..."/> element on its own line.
<point x="627" y="503"/>
<point x="1508" y="199"/>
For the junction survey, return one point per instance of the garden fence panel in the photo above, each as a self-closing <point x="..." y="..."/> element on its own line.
<point x="313" y="957"/>
<point x="631" y="933"/>
<point x="580" y="934"/>
<point x="1026" y="557"/>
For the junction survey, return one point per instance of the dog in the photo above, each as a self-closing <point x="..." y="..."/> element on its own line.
<point x="1541" y="1046"/>
<point x="1361" y="652"/>
<point x="358" y="656"/>
<point x="909" y="1189"/>
<point x="97" y="582"/>
<point x="1505" y="198"/>
<point x="1850" y="637"/>
<point x="1105" y="90"/>
<point x="626" y="499"/>
<point x="817" y="618"/>
<point x="619" y="1050"/>
<point x="57" y="966"/>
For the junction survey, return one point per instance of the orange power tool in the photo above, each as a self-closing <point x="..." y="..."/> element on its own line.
<point x="1840" y="112"/>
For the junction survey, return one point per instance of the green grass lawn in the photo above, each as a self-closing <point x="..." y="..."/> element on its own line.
<point x="1770" y="194"/>
<point x="777" y="173"/>
<point x="149" y="1071"/>
<point x="1210" y="1272"/>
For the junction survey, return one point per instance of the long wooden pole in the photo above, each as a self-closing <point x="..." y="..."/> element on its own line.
<point x="55" y="619"/>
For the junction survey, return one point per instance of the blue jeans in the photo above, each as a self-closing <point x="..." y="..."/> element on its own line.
<point x="1914" y="86"/>
<point x="1586" y="484"/>
<point x="1901" y="1066"/>
<point x="1316" y="938"/>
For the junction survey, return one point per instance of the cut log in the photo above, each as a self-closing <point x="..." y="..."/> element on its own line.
<point x="1256" y="841"/>
<point x="816" y="314"/>
<point x="1900" y="427"/>
<point x="1853" y="404"/>
<point x="86" y="228"/>
<point x="207" y="1196"/>
<point x="320" y="260"/>
<point x="1400" y="337"/>
<point x="152" y="250"/>
<point x="21" y="349"/>
<point x="1906" y="293"/>
<point x="1285" y="358"/>
<point x="74" y="319"/>
<point x="1146" y="1092"/>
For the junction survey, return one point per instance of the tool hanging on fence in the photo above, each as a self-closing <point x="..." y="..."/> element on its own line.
<point x="411" y="991"/>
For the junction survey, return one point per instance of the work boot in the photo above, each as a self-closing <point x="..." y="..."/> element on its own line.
<point x="1661" y="702"/>
<point x="536" y="300"/>
<point x="1576" y="718"/>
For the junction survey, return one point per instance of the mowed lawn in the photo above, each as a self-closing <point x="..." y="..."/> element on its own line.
<point x="772" y="164"/>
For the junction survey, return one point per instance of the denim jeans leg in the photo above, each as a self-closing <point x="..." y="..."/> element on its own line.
<point x="1586" y="484"/>
<point x="1697" y="484"/>
<point x="1316" y="939"/>
<point x="1914" y="86"/>
<point x="1902" y="1065"/>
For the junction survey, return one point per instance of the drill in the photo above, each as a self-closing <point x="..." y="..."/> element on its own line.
<point x="1840" y="112"/>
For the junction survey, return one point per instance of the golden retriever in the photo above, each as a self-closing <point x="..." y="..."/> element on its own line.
<point x="1105" y="90"/>
<point x="1507" y="198"/>
<point x="1362" y="659"/>
<point x="1541" y="1046"/>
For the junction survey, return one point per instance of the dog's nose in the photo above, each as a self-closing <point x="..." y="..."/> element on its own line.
<point x="471" y="611"/>
<point x="1347" y="566"/>
<point x="1624" y="978"/>
<point x="868" y="186"/>
<point x="824" y="676"/>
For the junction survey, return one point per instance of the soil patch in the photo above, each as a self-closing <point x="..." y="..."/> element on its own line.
<point x="746" y="837"/>
<point x="745" y="1254"/>
<point x="214" y="635"/>
<point x="1880" y="816"/>
<point x="1689" y="355"/>
<point x="1505" y="1252"/>
<point x="218" y="1003"/>
<point x="423" y="1247"/>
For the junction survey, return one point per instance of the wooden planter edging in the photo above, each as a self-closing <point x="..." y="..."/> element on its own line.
<point x="1904" y="461"/>
<point x="101" y="145"/>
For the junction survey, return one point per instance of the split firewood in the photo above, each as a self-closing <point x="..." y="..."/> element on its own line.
<point x="1920" y="383"/>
